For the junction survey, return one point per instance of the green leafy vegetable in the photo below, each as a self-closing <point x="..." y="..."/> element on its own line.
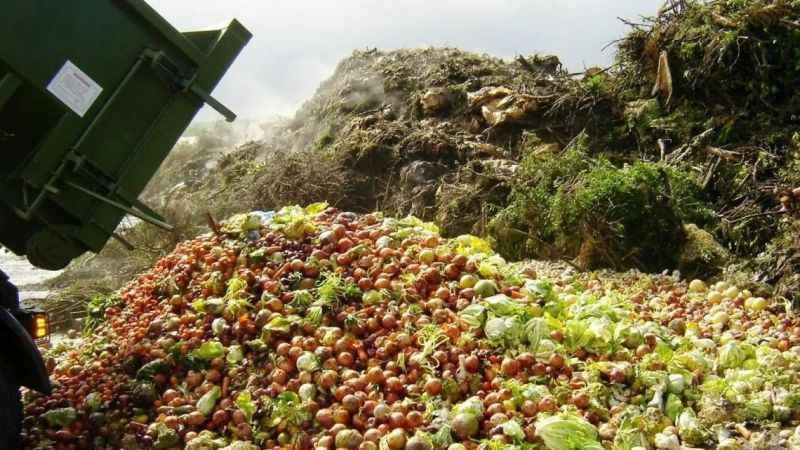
<point x="673" y="407"/>
<point x="496" y="328"/>
<point x="235" y="354"/>
<point x="62" y="417"/>
<point x="301" y="300"/>
<point x="282" y="324"/>
<point x="209" y="350"/>
<point x="199" y="305"/>
<point x="410" y="226"/>
<point x="474" y="315"/>
<point x="218" y="326"/>
<point x="758" y="406"/>
<point x="535" y="330"/>
<point x="491" y="266"/>
<point x="165" y="437"/>
<point x="287" y="410"/>
<point x="257" y="345"/>
<point x="96" y="310"/>
<point x="504" y="331"/>
<point x="631" y="434"/>
<point x="676" y="383"/>
<point x="295" y="221"/>
<point x="732" y="355"/>
<point x="567" y="431"/>
<point x="472" y="406"/>
<point x="513" y="430"/>
<point x="502" y="305"/>
<point x="207" y="402"/>
<point x="241" y="223"/>
<point x="244" y="401"/>
<point x="94" y="401"/>
<point x="206" y="440"/>
<point x="308" y="362"/>
<point x="690" y="429"/>
<point x="539" y="289"/>
<point x="214" y="305"/>
<point x="468" y="245"/>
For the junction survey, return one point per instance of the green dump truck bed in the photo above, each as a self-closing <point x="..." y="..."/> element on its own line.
<point x="93" y="95"/>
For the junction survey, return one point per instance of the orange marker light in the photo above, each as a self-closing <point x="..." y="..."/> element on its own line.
<point x="38" y="325"/>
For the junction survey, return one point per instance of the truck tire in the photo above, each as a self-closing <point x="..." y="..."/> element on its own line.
<point x="10" y="410"/>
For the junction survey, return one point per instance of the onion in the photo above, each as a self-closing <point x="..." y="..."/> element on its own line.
<point x="382" y="412"/>
<point x="556" y="361"/>
<point x="472" y="363"/>
<point x="433" y="386"/>
<point x="417" y="443"/>
<point x="714" y="297"/>
<point x="348" y="439"/>
<point x="368" y="445"/>
<point x="426" y="256"/>
<point x="697" y="286"/>
<point x="351" y="403"/>
<point x="396" y="440"/>
<point x="509" y="367"/>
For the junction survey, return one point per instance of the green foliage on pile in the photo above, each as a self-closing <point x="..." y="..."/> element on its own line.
<point x="572" y="205"/>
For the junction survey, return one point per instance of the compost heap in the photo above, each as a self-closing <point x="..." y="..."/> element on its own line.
<point x="691" y="134"/>
<point x="315" y="328"/>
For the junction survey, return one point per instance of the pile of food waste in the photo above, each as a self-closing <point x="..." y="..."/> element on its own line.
<point x="313" y="328"/>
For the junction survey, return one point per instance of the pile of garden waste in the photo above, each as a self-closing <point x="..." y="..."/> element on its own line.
<point x="319" y="329"/>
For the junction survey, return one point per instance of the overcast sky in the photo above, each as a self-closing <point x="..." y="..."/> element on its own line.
<point x="297" y="43"/>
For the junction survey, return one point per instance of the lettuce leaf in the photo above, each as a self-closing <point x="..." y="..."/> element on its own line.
<point x="690" y="429"/>
<point x="567" y="431"/>
<point x="209" y="350"/>
<point x="295" y="221"/>
<point x="472" y="406"/>
<point x="244" y="401"/>
<point x="235" y="354"/>
<point x="62" y="417"/>
<point x="474" y="315"/>
<point x="468" y="245"/>
<point x="207" y="402"/>
<point x="502" y="305"/>
<point x="674" y="407"/>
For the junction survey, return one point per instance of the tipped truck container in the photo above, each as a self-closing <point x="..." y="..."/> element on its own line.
<point x="93" y="96"/>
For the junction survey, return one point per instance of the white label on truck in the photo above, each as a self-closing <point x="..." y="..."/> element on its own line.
<point x="74" y="88"/>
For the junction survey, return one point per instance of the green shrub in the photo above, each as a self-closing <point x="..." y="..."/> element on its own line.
<point x="575" y="206"/>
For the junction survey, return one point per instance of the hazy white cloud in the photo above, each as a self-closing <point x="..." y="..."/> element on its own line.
<point x="297" y="43"/>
